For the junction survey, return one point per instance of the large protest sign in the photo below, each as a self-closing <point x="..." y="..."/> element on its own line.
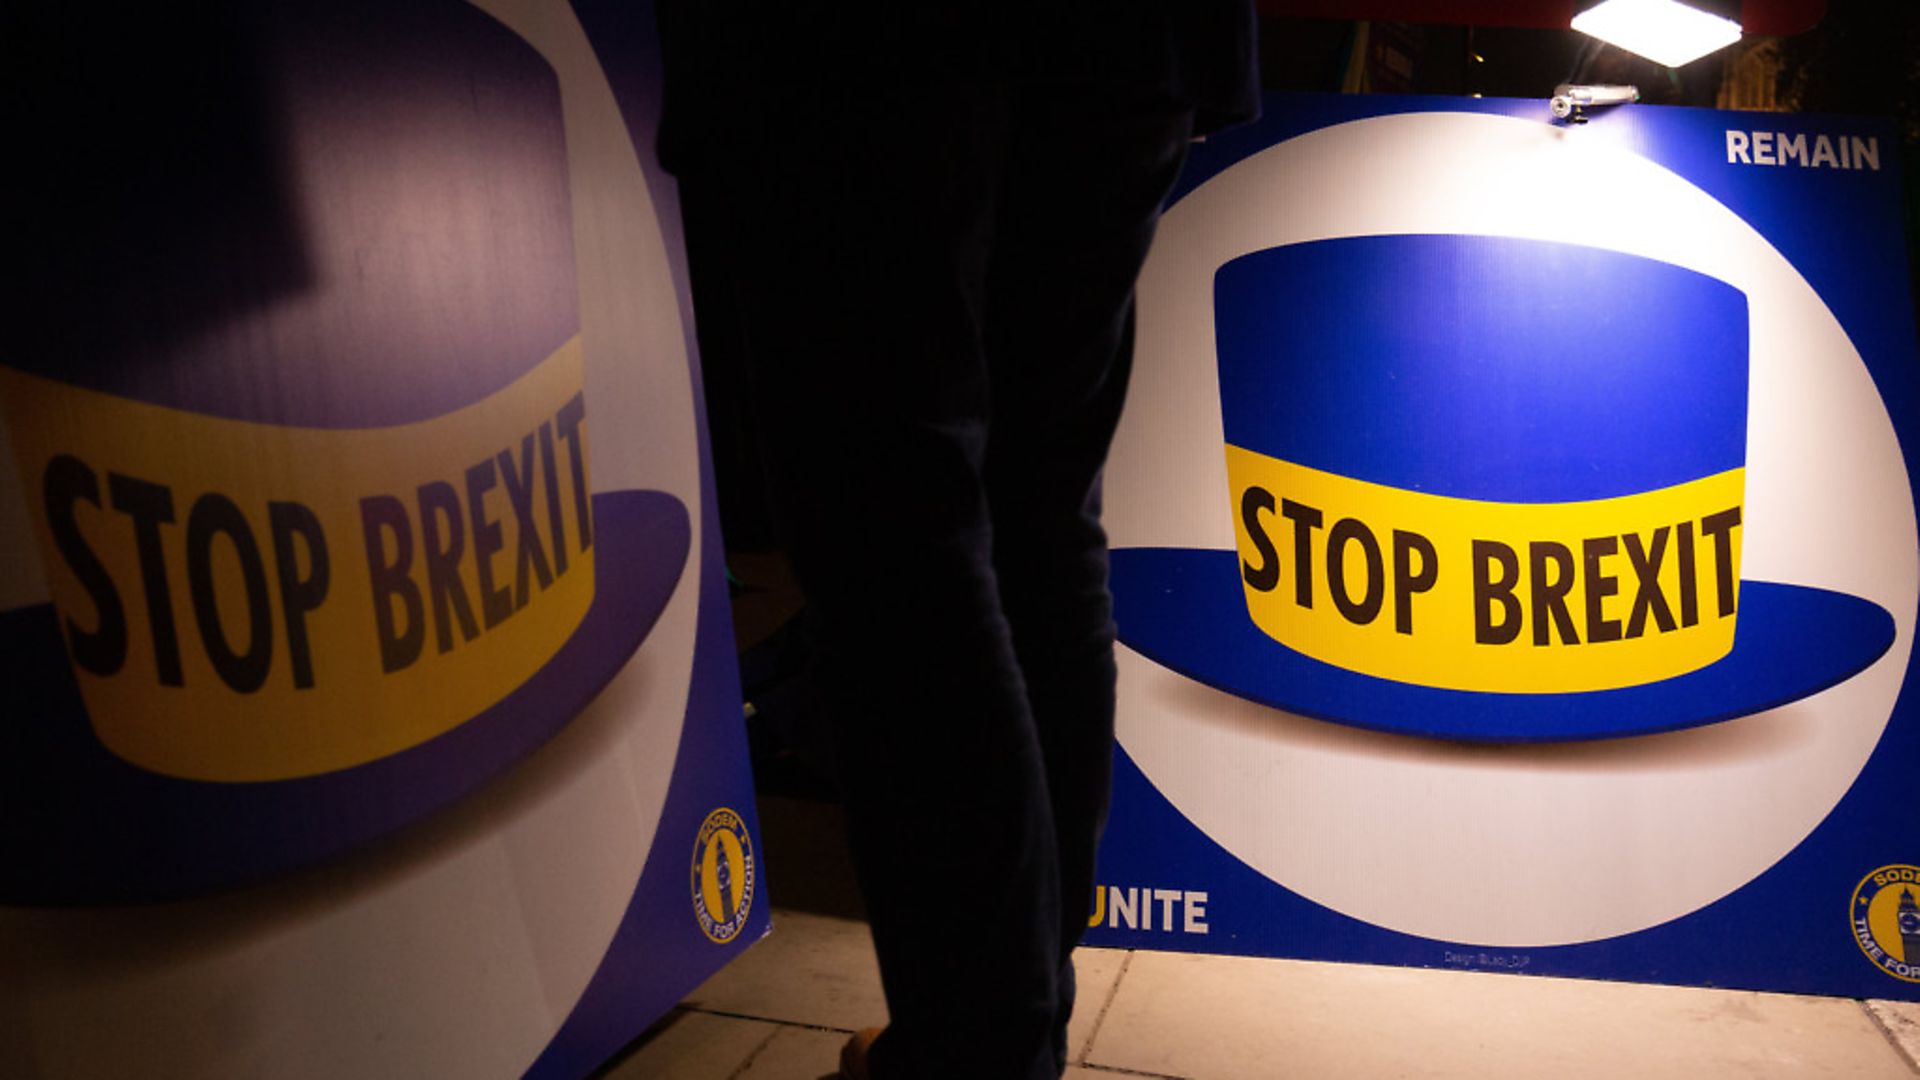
<point x="1515" y="557"/>
<point x="366" y="626"/>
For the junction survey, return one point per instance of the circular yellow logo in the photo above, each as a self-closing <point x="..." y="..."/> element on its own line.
<point x="1886" y="920"/>
<point x="723" y="876"/>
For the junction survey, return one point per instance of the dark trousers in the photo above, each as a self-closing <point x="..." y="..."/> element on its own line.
<point x="937" y="290"/>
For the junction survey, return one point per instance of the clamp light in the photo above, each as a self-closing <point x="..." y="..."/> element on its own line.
<point x="1569" y="103"/>
<point x="1665" y="31"/>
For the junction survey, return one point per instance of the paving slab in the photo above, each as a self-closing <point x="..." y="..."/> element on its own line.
<point x="815" y="970"/>
<point x="1902" y="1021"/>
<point x="796" y="1053"/>
<point x="1095" y="972"/>
<point x="689" y="1045"/>
<point x="1223" y="1018"/>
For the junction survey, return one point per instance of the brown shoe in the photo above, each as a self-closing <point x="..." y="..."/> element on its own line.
<point x="853" y="1056"/>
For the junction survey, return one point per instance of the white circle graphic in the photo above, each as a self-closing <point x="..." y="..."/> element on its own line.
<point x="1501" y="845"/>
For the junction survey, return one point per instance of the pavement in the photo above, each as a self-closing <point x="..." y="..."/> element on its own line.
<point x="782" y="1010"/>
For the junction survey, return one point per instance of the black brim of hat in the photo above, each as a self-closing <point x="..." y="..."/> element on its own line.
<point x="1184" y="609"/>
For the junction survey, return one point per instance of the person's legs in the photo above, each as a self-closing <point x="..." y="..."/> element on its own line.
<point x="1085" y="175"/>
<point x="941" y="512"/>
<point x="868" y="223"/>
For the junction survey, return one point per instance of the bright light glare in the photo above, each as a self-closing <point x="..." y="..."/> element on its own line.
<point x="1664" y="31"/>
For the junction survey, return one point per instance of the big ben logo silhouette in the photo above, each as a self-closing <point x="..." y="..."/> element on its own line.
<point x="1909" y="918"/>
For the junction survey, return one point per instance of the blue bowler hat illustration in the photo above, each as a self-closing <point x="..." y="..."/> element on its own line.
<point x="1490" y="489"/>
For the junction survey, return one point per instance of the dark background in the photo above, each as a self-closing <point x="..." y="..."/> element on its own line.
<point x="1861" y="57"/>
